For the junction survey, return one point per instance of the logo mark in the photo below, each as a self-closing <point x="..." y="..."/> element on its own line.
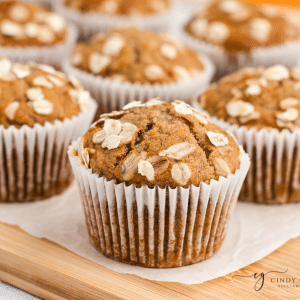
<point x="260" y="278"/>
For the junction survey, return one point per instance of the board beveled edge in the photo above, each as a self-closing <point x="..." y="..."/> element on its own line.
<point x="50" y="271"/>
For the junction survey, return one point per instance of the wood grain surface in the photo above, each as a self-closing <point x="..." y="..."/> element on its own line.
<point x="50" y="271"/>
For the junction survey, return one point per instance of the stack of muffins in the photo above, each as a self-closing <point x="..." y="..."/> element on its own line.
<point x="158" y="178"/>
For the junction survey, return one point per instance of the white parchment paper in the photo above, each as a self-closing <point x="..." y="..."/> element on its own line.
<point x="254" y="232"/>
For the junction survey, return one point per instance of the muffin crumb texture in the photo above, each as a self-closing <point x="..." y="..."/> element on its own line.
<point x="37" y="94"/>
<point x="138" y="56"/>
<point x="241" y="26"/>
<point x="262" y="98"/>
<point x="119" y="7"/>
<point x="25" y="24"/>
<point x="157" y="143"/>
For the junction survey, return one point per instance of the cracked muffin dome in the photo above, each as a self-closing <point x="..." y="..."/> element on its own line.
<point x="119" y="7"/>
<point x="262" y="98"/>
<point x="138" y="56"/>
<point x="37" y="94"/>
<point x="26" y="24"/>
<point x="158" y="143"/>
<point x="239" y="26"/>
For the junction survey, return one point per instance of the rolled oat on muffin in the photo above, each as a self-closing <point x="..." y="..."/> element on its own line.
<point x="158" y="183"/>
<point x="31" y="32"/>
<point x="261" y="107"/>
<point x="41" y="111"/>
<point x="129" y="63"/>
<point x="237" y="34"/>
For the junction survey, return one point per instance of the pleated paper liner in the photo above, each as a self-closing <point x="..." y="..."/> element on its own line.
<point x="273" y="177"/>
<point x="113" y="95"/>
<point x="45" y="3"/>
<point x="286" y="54"/>
<point x="157" y="227"/>
<point x="51" y="55"/>
<point x="91" y="23"/>
<point x="34" y="162"/>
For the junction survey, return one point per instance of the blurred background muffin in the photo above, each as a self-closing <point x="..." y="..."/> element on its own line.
<point x="127" y="63"/>
<point x="119" y="7"/>
<point x="41" y="112"/>
<point x="262" y="108"/>
<point x="93" y="16"/>
<point x="237" y="34"/>
<point x="30" y="32"/>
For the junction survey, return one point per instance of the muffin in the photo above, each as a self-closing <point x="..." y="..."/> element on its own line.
<point x="30" y="32"/>
<point x="261" y="107"/>
<point x="129" y="63"/>
<point x="236" y="34"/>
<point x="119" y="7"/>
<point x="96" y="16"/>
<point x="41" y="112"/>
<point x="158" y="183"/>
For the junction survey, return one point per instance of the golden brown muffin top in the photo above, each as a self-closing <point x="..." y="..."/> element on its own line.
<point x="158" y="143"/>
<point x="119" y="7"/>
<point x="31" y="94"/>
<point x="241" y="26"/>
<point x="26" y="24"/>
<point x="134" y="55"/>
<point x="261" y="98"/>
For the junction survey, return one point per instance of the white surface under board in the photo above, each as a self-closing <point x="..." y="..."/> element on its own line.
<point x="8" y="292"/>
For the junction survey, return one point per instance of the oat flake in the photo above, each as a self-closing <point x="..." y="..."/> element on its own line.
<point x="253" y="90"/>
<point x="99" y="137"/>
<point x="153" y="102"/>
<point x="160" y="164"/>
<point x="291" y="114"/>
<point x="20" y="70"/>
<point x="35" y="94"/>
<point x="289" y="102"/>
<point x="277" y="73"/>
<point x="42" y="81"/>
<point x="43" y="107"/>
<point x="239" y="108"/>
<point x="130" y="165"/>
<point x="168" y="51"/>
<point x="98" y="62"/>
<point x="55" y="80"/>
<point x="113" y="45"/>
<point x="182" y="108"/>
<point x="217" y="139"/>
<point x="221" y="167"/>
<point x="146" y="169"/>
<point x="181" y="173"/>
<point x="178" y="151"/>
<point x="111" y="142"/>
<point x="154" y="72"/>
<point x="112" y="127"/>
<point x="11" y="109"/>
<point x="133" y="104"/>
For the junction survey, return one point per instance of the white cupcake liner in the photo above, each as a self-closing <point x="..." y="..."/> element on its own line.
<point x="52" y="55"/>
<point x="45" y="3"/>
<point x="287" y="54"/>
<point x="157" y="227"/>
<point x="275" y="162"/>
<point x="33" y="161"/>
<point x="91" y="23"/>
<point x="113" y="95"/>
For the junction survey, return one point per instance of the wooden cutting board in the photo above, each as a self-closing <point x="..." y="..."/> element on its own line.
<point x="50" y="271"/>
